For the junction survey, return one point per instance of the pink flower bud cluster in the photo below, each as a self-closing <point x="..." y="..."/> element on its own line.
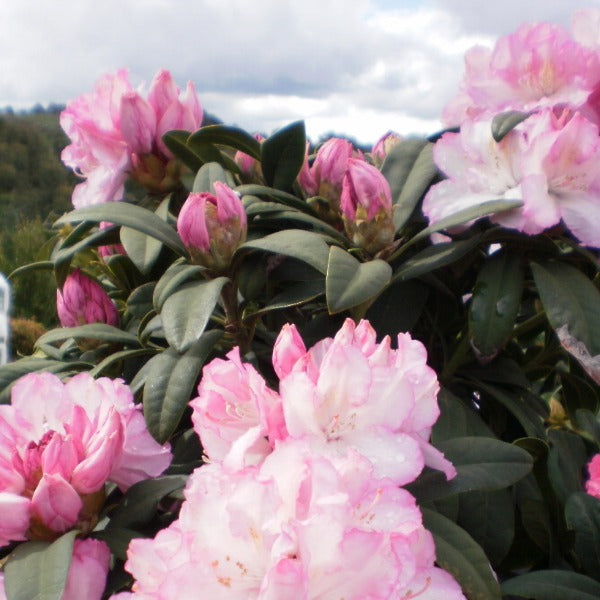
<point x="592" y="485"/>
<point x="212" y="227"/>
<point x="59" y="444"/>
<point x="115" y="131"/>
<point x="84" y="301"/>
<point x="355" y="190"/>
<point x="301" y="498"/>
<point x="383" y="147"/>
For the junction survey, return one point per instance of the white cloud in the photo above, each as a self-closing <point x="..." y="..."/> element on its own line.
<point x="358" y="68"/>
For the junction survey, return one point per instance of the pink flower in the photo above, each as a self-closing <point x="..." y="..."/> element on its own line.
<point x="212" y="226"/>
<point x="551" y="163"/>
<point x="301" y="526"/>
<point x="59" y="444"/>
<point x="539" y="65"/>
<point x="592" y="485"/>
<point x="82" y="301"/>
<point x="237" y="417"/>
<point x="366" y="204"/>
<point x="115" y="132"/>
<point x="110" y="250"/>
<point x="350" y="391"/>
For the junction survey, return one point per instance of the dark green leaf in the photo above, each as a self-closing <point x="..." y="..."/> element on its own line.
<point x="282" y="155"/>
<point x="294" y="295"/>
<point x="186" y="312"/>
<point x="570" y="299"/>
<point x="175" y="276"/>
<point x="434" y="257"/>
<point x="138" y="505"/>
<point x="118" y="539"/>
<point x="495" y="304"/>
<point x="306" y="246"/>
<point x="208" y="174"/>
<point x="578" y="394"/>
<point x="552" y="585"/>
<point x="588" y="422"/>
<point x="234" y="137"/>
<point x="118" y="357"/>
<point x="276" y="195"/>
<point x="93" y="331"/>
<point x="128" y="215"/>
<point x="418" y="180"/>
<point x="38" y="570"/>
<point x="40" y="265"/>
<point x="169" y="383"/>
<point x="582" y="514"/>
<point x="209" y="153"/>
<point x="504" y="123"/>
<point x="176" y="142"/>
<point x="457" y="553"/>
<point x="482" y="464"/>
<point x="350" y="282"/>
<point x="139" y="302"/>
<point x="565" y="462"/>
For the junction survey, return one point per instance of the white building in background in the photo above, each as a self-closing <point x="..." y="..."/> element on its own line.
<point x="4" y="319"/>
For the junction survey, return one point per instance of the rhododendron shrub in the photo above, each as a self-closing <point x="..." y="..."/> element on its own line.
<point x="288" y="370"/>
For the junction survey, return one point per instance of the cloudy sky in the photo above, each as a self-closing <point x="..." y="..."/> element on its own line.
<point x="357" y="67"/>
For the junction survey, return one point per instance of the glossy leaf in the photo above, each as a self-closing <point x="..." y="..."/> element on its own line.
<point x="552" y="584"/>
<point x="282" y="155"/>
<point x="38" y="570"/>
<point x="94" y="331"/>
<point x="234" y="137"/>
<point x="458" y="553"/>
<point x="279" y="196"/>
<point x="128" y="215"/>
<point x="294" y="295"/>
<point x="176" y="142"/>
<point x="186" y="312"/>
<point x="504" y="123"/>
<point x="208" y="174"/>
<point x="169" y="384"/>
<point x="570" y="299"/>
<point x="175" y="276"/>
<point x="582" y="514"/>
<point x="565" y="462"/>
<point x="303" y="245"/>
<point x="495" y="304"/>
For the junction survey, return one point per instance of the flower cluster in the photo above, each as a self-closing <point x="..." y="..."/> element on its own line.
<point x="115" y="131"/>
<point x="300" y="498"/>
<point x="59" y="445"/>
<point x="550" y="161"/>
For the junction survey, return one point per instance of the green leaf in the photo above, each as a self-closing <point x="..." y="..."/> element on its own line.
<point x="282" y="155"/>
<point x="458" y="553"/>
<point x="186" y="312"/>
<point x="142" y="249"/>
<point x="350" y="282"/>
<point x="552" y="585"/>
<point x="128" y="215"/>
<point x="175" y="276"/>
<point x="466" y="215"/>
<point x="209" y="153"/>
<point x="504" y="123"/>
<point x="588" y="422"/>
<point x="40" y="265"/>
<point x="582" y="514"/>
<point x="307" y="246"/>
<point x="570" y="299"/>
<point x="38" y="570"/>
<point x="434" y="257"/>
<point x="118" y="539"/>
<point x="138" y="505"/>
<point x="419" y="178"/>
<point x="67" y="251"/>
<point x="489" y="517"/>
<point x="578" y="394"/>
<point x="279" y="196"/>
<point x="495" y="304"/>
<point x="94" y="331"/>
<point x="176" y="142"/>
<point x="169" y="383"/>
<point x="208" y="174"/>
<point x="139" y="302"/>
<point x="234" y="137"/>
<point x="482" y="464"/>
<point x="294" y="295"/>
<point x="118" y="357"/>
<point x="565" y="462"/>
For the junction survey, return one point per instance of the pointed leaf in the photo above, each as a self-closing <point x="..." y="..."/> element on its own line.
<point x="208" y="174"/>
<point x="234" y="137"/>
<point x="128" y="215"/>
<point x="175" y="276"/>
<point x="169" y="384"/>
<point x="94" y="331"/>
<point x="186" y="312"/>
<point x="399" y="163"/>
<point x="350" y="282"/>
<point x="38" y="570"/>
<point x="176" y="142"/>
<point x="505" y="122"/>
<point x="552" y="585"/>
<point x="282" y="155"/>
<point x="582" y="514"/>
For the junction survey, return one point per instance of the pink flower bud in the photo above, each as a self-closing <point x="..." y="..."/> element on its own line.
<point x="88" y="570"/>
<point x="138" y="123"/>
<point x="289" y="348"/>
<point x="592" y="485"/>
<point x="82" y="301"/>
<point x="249" y="166"/>
<point x="383" y="146"/>
<point x="212" y="227"/>
<point x="109" y="250"/>
<point x="367" y="206"/>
